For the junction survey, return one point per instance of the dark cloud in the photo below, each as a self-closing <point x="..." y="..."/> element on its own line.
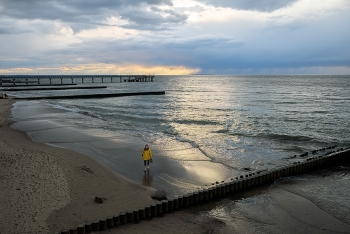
<point x="258" y="5"/>
<point x="156" y="19"/>
<point x="87" y="14"/>
<point x="158" y="50"/>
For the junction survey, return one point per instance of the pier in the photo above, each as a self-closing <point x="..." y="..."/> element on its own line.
<point x="51" y="79"/>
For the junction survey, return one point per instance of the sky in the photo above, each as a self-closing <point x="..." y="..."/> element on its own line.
<point x="174" y="37"/>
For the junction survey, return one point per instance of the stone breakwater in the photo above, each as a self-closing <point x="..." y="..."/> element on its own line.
<point x="216" y="191"/>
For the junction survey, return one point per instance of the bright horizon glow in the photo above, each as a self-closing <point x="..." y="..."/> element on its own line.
<point x="95" y="69"/>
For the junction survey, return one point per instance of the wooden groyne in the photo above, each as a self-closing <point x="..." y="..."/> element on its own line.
<point x="217" y="191"/>
<point x="85" y="96"/>
<point x="14" y="79"/>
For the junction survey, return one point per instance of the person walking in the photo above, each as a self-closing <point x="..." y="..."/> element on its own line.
<point x="147" y="156"/>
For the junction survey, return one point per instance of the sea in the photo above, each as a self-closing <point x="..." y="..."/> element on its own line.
<point x="205" y="129"/>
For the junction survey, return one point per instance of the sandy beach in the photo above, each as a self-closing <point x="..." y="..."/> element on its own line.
<point x="45" y="189"/>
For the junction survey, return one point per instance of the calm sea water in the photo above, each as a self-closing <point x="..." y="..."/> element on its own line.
<point x="216" y="126"/>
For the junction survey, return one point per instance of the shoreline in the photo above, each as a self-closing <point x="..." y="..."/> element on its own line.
<point x="177" y="172"/>
<point x="46" y="188"/>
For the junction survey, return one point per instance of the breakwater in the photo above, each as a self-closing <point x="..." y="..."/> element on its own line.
<point x="83" y="96"/>
<point x="329" y="157"/>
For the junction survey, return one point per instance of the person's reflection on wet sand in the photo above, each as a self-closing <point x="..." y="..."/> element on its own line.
<point x="147" y="179"/>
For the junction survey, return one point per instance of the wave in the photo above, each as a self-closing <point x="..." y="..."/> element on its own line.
<point x="285" y="137"/>
<point x="60" y="107"/>
<point x="195" y="122"/>
<point x="222" y="131"/>
<point x="192" y="143"/>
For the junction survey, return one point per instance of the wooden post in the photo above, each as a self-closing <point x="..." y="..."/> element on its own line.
<point x="180" y="201"/>
<point x="210" y="193"/>
<point x="122" y="217"/>
<point x="130" y="216"/>
<point x="103" y="224"/>
<point x="171" y="204"/>
<point x="154" y="210"/>
<point x="159" y="208"/>
<point x="142" y="213"/>
<point x="110" y="222"/>
<point x="201" y="195"/>
<point x="88" y="227"/>
<point x="195" y="198"/>
<point x="165" y="206"/>
<point x="190" y="196"/>
<point x="81" y="229"/>
<point x="186" y="200"/>
<point x="205" y="195"/>
<point x="136" y="215"/>
<point x="148" y="212"/>
<point x="116" y="220"/>
<point x="95" y="226"/>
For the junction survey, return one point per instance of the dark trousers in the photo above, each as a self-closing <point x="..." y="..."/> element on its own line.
<point x="146" y="162"/>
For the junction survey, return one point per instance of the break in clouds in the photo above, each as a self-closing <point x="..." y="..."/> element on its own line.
<point x="255" y="5"/>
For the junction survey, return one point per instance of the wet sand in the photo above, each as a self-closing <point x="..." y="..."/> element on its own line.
<point x="45" y="189"/>
<point x="178" y="167"/>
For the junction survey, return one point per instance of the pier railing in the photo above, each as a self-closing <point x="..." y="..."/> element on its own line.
<point x="27" y="79"/>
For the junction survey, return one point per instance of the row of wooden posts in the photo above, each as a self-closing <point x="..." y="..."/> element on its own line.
<point x="212" y="193"/>
<point x="127" y="78"/>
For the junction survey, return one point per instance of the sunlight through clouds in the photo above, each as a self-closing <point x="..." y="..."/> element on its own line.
<point x="180" y="36"/>
<point x="104" y="69"/>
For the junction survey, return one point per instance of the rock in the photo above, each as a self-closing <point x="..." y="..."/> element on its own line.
<point x="159" y="195"/>
<point x="99" y="200"/>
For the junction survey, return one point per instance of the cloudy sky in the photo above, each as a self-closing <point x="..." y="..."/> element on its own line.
<point x="174" y="37"/>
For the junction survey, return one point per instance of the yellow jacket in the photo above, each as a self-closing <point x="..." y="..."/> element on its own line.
<point x="147" y="154"/>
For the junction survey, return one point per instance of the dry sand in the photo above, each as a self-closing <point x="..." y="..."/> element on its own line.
<point x="45" y="189"/>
